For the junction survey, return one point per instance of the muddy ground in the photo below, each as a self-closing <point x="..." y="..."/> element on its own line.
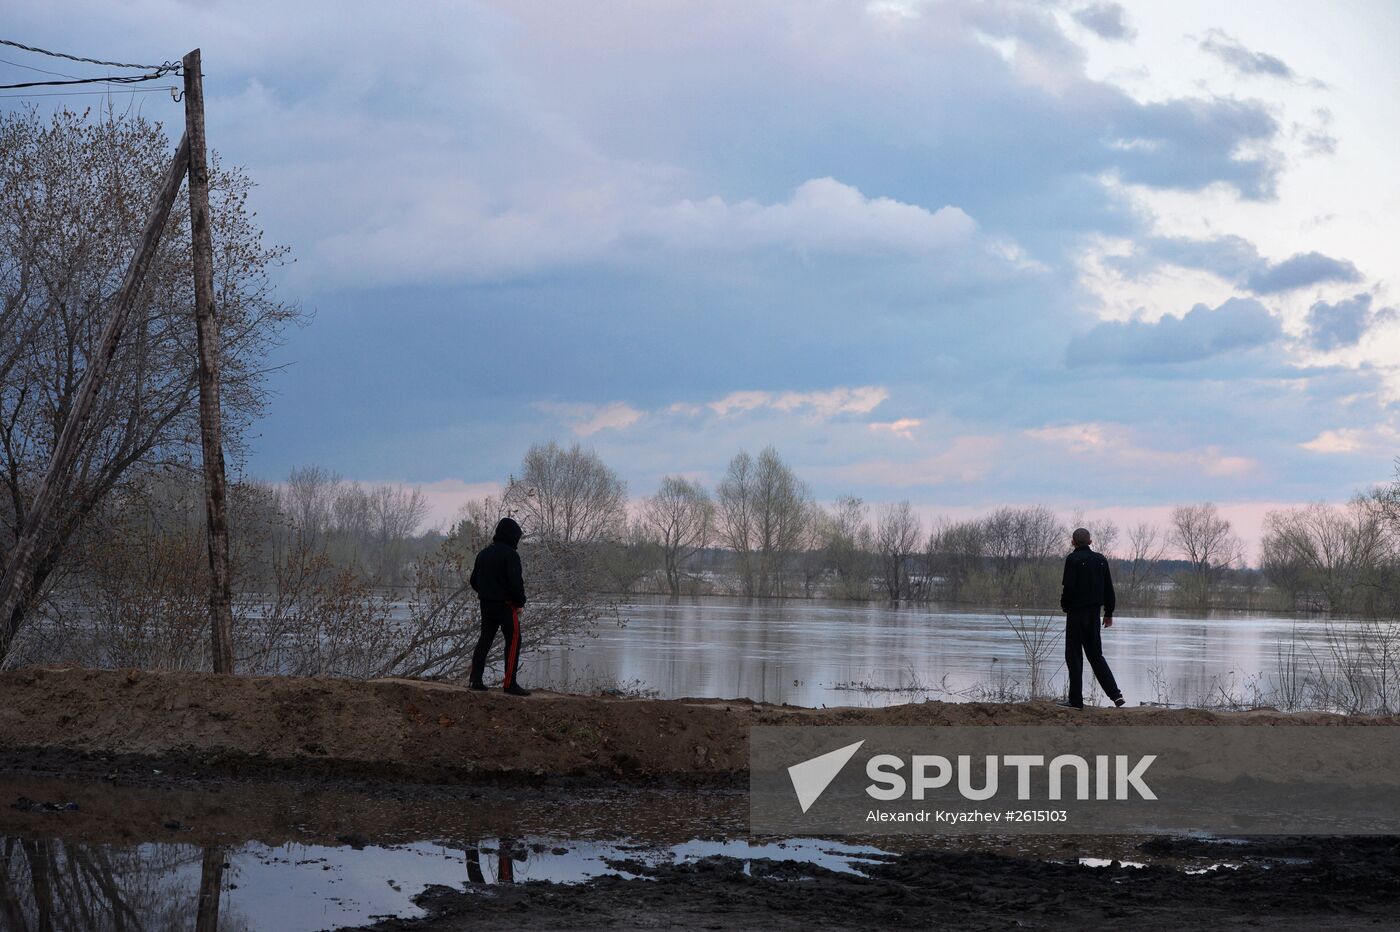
<point x="115" y="758"/>
<point x="1345" y="884"/>
<point x="418" y="731"/>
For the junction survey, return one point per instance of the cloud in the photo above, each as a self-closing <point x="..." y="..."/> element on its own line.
<point x="969" y="458"/>
<point x="1343" y="323"/>
<point x="1204" y="332"/>
<point x="823" y="215"/>
<point x="1300" y="271"/>
<point x="820" y="404"/>
<point x="1106" y="20"/>
<point x="904" y="427"/>
<point x="1115" y="444"/>
<point x="1379" y="439"/>
<point x="588" y="419"/>
<point x="1233" y="53"/>
<point x="1237" y="260"/>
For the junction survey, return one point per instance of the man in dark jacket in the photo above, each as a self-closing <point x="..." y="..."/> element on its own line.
<point x="499" y="583"/>
<point x="1086" y="588"/>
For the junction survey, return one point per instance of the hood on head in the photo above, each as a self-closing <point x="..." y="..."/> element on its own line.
<point x="508" y="532"/>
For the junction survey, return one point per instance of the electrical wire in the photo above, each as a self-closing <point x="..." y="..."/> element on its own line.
<point x="168" y="66"/>
<point x="135" y="90"/>
<point x="119" y="79"/>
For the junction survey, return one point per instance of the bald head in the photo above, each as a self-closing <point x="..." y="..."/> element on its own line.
<point x="1081" y="537"/>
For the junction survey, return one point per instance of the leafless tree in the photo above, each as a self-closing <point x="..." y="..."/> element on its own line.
<point x="1202" y="537"/>
<point x="955" y="554"/>
<point x="1138" y="568"/>
<point x="1336" y="550"/>
<point x="897" y="535"/>
<point x="764" y="511"/>
<point x="847" y="543"/>
<point x="568" y="496"/>
<point x="74" y="192"/>
<point x="680" y="518"/>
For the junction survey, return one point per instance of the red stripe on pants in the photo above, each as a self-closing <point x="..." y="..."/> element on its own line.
<point x="513" y="648"/>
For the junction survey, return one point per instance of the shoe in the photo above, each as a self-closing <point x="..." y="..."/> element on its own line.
<point x="515" y="689"/>
<point x="1070" y="705"/>
<point x="1120" y="702"/>
<point x="478" y="686"/>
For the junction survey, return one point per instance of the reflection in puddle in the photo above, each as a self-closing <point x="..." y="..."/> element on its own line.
<point x="51" y="884"/>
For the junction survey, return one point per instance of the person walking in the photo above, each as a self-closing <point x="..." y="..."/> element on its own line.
<point x="499" y="582"/>
<point x="1086" y="588"/>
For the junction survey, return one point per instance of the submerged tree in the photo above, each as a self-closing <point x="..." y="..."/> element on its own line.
<point x="680" y="518"/>
<point x="74" y="193"/>
<point x="764" y="510"/>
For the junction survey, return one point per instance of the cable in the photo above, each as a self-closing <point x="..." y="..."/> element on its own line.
<point x="168" y="66"/>
<point x="135" y="90"/>
<point x="120" y="79"/>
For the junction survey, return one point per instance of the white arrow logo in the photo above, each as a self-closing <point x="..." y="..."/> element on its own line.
<point x="811" y="777"/>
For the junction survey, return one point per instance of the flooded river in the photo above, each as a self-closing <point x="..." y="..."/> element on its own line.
<point x="830" y="653"/>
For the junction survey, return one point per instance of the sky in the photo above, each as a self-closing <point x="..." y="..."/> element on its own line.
<point x="1105" y="257"/>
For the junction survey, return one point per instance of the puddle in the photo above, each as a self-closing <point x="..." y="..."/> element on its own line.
<point x="301" y="888"/>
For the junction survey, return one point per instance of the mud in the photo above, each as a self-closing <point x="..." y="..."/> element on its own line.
<point x="147" y="768"/>
<point x="1349" y="884"/>
<point x="76" y="720"/>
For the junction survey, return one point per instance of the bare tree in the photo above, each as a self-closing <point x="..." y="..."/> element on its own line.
<point x="568" y="496"/>
<point x="679" y="517"/>
<point x="848" y="542"/>
<point x="1335" y="550"/>
<point x="1138" y="568"/>
<point x="1203" y="538"/>
<point x="73" y="193"/>
<point x="764" y="511"/>
<point x="955" y="554"/>
<point x="897" y="534"/>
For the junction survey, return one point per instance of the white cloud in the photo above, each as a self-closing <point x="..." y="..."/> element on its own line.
<point x="820" y="404"/>
<point x="823" y="215"/>
<point x="1115" y="445"/>
<point x="1380" y="438"/>
<point x="903" y="427"/>
<point x="588" y="419"/>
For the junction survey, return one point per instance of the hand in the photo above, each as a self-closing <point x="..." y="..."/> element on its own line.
<point x="1108" y="621"/>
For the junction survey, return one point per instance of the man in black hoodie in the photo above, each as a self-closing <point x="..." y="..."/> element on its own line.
<point x="498" y="581"/>
<point x="1086" y="588"/>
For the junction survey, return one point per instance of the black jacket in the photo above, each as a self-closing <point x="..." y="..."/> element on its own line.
<point x="1087" y="583"/>
<point x="496" y="574"/>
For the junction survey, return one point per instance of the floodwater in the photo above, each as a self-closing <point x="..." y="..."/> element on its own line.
<point x="92" y="855"/>
<point x="829" y="653"/>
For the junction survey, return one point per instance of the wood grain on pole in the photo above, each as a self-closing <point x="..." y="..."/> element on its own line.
<point x="19" y="569"/>
<point x="210" y="415"/>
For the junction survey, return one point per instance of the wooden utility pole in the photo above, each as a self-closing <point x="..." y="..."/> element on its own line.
<point x="19" y="570"/>
<point x="210" y="415"/>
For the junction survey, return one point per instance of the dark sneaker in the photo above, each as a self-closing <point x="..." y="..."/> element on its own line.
<point x="1120" y="701"/>
<point x="515" y="689"/>
<point x="1070" y="705"/>
<point x="479" y="687"/>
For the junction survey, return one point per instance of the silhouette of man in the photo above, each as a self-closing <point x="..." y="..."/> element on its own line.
<point x="1087" y="587"/>
<point x="499" y="582"/>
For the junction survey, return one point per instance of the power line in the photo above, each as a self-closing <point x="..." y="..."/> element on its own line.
<point x="168" y="66"/>
<point x="134" y="90"/>
<point x="119" y="79"/>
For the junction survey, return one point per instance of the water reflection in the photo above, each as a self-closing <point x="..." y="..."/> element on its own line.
<point x="54" y="885"/>
<point x="808" y="653"/>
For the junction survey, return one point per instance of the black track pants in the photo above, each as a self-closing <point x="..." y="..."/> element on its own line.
<point x="1082" y="639"/>
<point x="503" y="617"/>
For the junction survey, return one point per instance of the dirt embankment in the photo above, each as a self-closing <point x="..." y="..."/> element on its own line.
<point x="433" y="732"/>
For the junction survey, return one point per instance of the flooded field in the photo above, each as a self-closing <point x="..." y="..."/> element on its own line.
<point x="830" y="653"/>
<point x="165" y="853"/>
